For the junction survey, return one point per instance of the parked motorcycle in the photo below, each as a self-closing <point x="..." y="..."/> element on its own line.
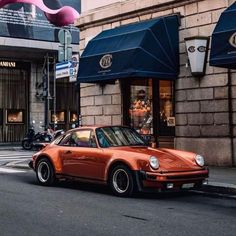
<point x="33" y="139"/>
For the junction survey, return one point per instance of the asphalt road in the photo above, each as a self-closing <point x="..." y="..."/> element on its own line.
<point x="84" y="209"/>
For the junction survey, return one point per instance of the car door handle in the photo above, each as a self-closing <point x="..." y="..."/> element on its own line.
<point x="67" y="152"/>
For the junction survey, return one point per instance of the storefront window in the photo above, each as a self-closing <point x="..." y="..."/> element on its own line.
<point x="58" y="117"/>
<point x="167" y="119"/>
<point x="14" y="116"/>
<point x="73" y="117"/>
<point x="140" y="110"/>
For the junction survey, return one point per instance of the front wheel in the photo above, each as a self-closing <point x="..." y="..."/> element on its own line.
<point x="45" y="172"/>
<point x="27" y="144"/>
<point x="121" y="181"/>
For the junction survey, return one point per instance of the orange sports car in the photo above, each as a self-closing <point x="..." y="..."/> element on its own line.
<point x="119" y="157"/>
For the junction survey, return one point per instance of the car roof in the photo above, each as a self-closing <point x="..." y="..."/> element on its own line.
<point x="93" y="127"/>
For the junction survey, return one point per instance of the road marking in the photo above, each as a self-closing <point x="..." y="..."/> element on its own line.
<point x="15" y="155"/>
<point x="7" y="170"/>
<point x="14" y="158"/>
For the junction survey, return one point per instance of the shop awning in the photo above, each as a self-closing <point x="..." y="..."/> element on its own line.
<point x="223" y="46"/>
<point x="146" y="49"/>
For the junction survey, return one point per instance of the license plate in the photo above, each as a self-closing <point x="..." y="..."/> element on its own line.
<point x="191" y="185"/>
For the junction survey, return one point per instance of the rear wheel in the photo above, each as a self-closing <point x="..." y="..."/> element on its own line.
<point x="27" y="144"/>
<point x="45" y="172"/>
<point x="121" y="181"/>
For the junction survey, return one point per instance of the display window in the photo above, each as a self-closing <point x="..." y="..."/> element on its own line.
<point x="140" y="111"/>
<point x="58" y="117"/>
<point x="14" y="116"/>
<point x="149" y="108"/>
<point x="166" y="104"/>
<point x="73" y="117"/>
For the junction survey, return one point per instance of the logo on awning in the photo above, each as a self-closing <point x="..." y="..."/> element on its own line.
<point x="232" y="40"/>
<point x="106" y="61"/>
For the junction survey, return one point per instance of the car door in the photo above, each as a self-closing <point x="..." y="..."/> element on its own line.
<point x="82" y="158"/>
<point x="67" y="152"/>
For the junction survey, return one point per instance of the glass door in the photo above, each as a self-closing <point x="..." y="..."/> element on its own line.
<point x="166" y="112"/>
<point x="148" y="107"/>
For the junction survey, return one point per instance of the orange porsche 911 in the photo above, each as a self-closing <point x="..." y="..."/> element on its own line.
<point x="119" y="157"/>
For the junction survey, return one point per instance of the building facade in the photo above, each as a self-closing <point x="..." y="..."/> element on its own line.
<point x="186" y="112"/>
<point x="28" y="50"/>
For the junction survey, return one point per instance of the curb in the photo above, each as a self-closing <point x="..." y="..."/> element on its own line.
<point x="219" y="188"/>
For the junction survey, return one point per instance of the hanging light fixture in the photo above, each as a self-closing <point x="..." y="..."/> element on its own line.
<point x="197" y="49"/>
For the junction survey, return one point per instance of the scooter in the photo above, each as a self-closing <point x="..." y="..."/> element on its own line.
<point x="31" y="138"/>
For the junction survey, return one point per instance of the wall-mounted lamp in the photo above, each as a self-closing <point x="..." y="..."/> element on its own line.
<point x="197" y="49"/>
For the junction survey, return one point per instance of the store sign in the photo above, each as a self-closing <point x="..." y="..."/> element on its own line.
<point x="9" y="64"/>
<point x="106" y="61"/>
<point x="232" y="40"/>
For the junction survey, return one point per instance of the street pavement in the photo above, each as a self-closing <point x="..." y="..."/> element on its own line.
<point x="73" y="208"/>
<point x="222" y="180"/>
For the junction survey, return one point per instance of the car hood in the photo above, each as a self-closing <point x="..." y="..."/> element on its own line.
<point x="169" y="159"/>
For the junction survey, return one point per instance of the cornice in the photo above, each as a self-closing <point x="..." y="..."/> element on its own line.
<point x="126" y="10"/>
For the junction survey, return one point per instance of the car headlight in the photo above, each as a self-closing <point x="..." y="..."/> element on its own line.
<point x="154" y="163"/>
<point x="199" y="160"/>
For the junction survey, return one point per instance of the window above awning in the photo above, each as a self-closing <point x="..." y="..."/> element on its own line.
<point x="145" y="49"/>
<point x="223" y="45"/>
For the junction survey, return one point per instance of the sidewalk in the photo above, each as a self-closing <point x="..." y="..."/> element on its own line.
<point x="222" y="180"/>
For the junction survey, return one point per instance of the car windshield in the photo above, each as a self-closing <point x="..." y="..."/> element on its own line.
<point x="118" y="136"/>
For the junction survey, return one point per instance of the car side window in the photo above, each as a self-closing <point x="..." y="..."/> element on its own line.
<point x="83" y="138"/>
<point x="66" y="140"/>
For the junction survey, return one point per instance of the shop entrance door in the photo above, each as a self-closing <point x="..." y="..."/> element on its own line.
<point x="150" y="109"/>
<point x="14" y="101"/>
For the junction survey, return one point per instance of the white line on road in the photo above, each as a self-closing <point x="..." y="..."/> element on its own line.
<point x="15" y="158"/>
<point x="7" y="170"/>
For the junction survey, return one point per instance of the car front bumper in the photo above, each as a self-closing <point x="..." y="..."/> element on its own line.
<point x="171" y="180"/>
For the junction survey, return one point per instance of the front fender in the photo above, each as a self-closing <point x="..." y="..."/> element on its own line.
<point x="133" y="165"/>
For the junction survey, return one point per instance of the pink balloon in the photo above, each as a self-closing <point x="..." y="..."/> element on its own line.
<point x="61" y="17"/>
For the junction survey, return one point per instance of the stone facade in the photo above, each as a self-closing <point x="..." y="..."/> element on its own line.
<point x="36" y="105"/>
<point x="101" y="104"/>
<point x="204" y="121"/>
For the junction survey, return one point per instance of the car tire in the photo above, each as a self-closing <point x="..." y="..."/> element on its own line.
<point x="27" y="144"/>
<point x="121" y="181"/>
<point x="45" y="172"/>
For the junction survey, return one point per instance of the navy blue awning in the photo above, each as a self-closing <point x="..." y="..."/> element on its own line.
<point x="223" y="46"/>
<point x="145" y="49"/>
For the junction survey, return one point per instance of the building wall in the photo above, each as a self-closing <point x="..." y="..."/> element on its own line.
<point x="202" y="104"/>
<point x="87" y="5"/>
<point x="36" y="105"/>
